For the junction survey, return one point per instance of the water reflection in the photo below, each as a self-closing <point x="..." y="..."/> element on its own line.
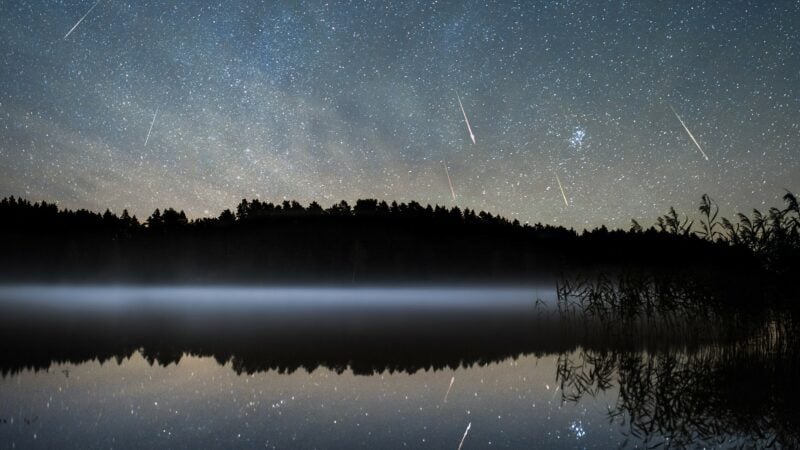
<point x="716" y="396"/>
<point x="200" y="404"/>
<point x="731" y="385"/>
<point x="284" y="330"/>
<point x="531" y="369"/>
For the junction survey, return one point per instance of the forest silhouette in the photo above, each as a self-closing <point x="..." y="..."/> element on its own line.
<point x="374" y="241"/>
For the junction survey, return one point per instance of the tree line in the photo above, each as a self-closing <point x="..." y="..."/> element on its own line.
<point x="375" y="241"/>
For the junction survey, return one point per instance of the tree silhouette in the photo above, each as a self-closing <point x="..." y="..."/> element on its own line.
<point x="366" y="207"/>
<point x="172" y="219"/>
<point x="226" y="217"/>
<point x="155" y="221"/>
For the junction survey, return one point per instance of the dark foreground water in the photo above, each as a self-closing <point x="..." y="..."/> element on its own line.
<point x="366" y="368"/>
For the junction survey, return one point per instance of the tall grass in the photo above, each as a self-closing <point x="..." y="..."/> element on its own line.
<point x="773" y="236"/>
<point x="641" y="308"/>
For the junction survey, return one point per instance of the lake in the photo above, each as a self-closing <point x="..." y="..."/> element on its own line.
<point x="379" y="367"/>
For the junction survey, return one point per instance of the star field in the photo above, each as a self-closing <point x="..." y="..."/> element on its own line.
<point x="353" y="99"/>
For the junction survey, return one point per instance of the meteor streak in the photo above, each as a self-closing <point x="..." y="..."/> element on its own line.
<point x="448" y="389"/>
<point x="81" y="20"/>
<point x="689" y="133"/>
<point x="554" y="393"/>
<point x="452" y="192"/>
<point x="465" y="435"/>
<point x="151" y="126"/>
<point x="471" y="136"/>
<point x="562" y="190"/>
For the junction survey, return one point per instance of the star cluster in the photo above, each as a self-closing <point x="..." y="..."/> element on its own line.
<point x="339" y="100"/>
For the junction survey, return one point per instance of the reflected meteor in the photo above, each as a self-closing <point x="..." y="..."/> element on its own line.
<point x="691" y="136"/>
<point x="469" y="425"/>
<point x="555" y="392"/>
<point x="448" y="388"/>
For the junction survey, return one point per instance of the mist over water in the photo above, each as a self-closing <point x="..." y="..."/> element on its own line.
<point x="296" y="311"/>
<point x="273" y="299"/>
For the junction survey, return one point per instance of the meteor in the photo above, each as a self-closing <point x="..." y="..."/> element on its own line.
<point x="562" y="190"/>
<point x="469" y="128"/>
<point x="81" y="20"/>
<point x="554" y="393"/>
<point x="450" y="182"/>
<point x="689" y="133"/>
<point x="469" y="425"/>
<point x="151" y="126"/>
<point x="448" y="389"/>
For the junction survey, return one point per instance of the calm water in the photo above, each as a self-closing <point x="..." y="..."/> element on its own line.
<point x="197" y="403"/>
<point x="363" y="368"/>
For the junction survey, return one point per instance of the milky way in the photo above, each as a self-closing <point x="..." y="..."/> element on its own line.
<point x="342" y="100"/>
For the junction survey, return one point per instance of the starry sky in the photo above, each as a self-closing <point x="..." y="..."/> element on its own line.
<point x="192" y="105"/>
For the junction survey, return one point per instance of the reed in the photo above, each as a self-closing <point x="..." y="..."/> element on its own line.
<point x="719" y="396"/>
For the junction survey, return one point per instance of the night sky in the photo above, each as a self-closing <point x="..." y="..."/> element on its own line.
<point x="151" y="104"/>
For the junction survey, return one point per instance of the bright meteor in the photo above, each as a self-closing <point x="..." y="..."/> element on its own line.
<point x="689" y="133"/>
<point x="151" y="126"/>
<point x="81" y="20"/>
<point x="562" y="190"/>
<point x="471" y="136"/>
